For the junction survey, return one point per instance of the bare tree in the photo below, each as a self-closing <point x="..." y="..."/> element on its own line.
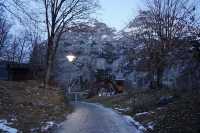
<point x="38" y="54"/>
<point x="18" y="49"/>
<point x="160" y="26"/>
<point x="4" y="30"/>
<point x="20" y="10"/>
<point x="19" y="46"/>
<point x="60" y="14"/>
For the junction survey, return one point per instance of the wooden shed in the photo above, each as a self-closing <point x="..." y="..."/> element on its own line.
<point x="19" y="71"/>
<point x="4" y="74"/>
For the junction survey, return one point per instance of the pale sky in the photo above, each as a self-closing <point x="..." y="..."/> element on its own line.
<point x="117" y="13"/>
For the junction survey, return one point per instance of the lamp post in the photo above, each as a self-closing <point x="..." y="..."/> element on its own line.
<point x="71" y="58"/>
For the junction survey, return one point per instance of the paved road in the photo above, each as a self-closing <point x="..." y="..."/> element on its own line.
<point x="93" y="118"/>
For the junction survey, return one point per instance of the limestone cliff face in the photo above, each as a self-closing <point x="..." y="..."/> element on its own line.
<point x="98" y="47"/>
<point x="87" y="46"/>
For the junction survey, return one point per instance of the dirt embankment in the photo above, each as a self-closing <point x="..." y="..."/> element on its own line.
<point x="29" y="107"/>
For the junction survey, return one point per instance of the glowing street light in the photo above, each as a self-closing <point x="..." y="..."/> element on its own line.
<point x="71" y="57"/>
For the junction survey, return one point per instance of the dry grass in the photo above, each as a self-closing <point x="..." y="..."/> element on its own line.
<point x="31" y="104"/>
<point x="179" y="116"/>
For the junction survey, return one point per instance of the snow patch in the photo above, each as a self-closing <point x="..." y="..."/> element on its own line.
<point x="122" y="109"/>
<point x="130" y="120"/>
<point x="151" y="125"/>
<point x="4" y="126"/>
<point x="48" y="125"/>
<point x="144" y="113"/>
<point x="34" y="130"/>
<point x="161" y="108"/>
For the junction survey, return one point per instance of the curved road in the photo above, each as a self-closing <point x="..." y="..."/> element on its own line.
<point x="93" y="118"/>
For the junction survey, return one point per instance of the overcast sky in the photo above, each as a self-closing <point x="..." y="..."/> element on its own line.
<point x="117" y="13"/>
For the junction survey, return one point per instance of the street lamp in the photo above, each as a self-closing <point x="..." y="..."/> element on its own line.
<point x="71" y="57"/>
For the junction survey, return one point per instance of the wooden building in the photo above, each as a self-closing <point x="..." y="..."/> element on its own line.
<point x="4" y="71"/>
<point x="119" y="83"/>
<point x="19" y="71"/>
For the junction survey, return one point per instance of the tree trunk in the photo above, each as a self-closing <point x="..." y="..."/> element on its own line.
<point x="48" y="73"/>
<point x="159" y="79"/>
<point x="50" y="57"/>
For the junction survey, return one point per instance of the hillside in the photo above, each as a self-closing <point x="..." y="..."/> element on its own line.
<point x="158" y="111"/>
<point x="27" y="107"/>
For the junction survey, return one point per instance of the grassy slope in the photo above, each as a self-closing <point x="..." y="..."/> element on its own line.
<point x="180" y="116"/>
<point x="27" y="105"/>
